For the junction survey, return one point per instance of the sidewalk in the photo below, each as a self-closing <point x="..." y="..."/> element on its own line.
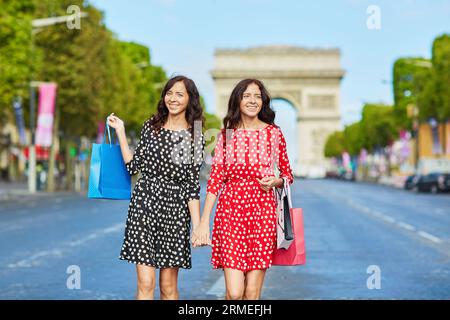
<point x="14" y="190"/>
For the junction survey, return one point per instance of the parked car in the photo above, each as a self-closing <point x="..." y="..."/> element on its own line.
<point x="411" y="181"/>
<point x="332" y="174"/>
<point x="434" y="182"/>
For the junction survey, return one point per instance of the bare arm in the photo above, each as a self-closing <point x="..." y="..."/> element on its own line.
<point x="207" y="208"/>
<point x="124" y="147"/>
<point x="194" y="209"/>
<point x="203" y="227"/>
<point x="117" y="124"/>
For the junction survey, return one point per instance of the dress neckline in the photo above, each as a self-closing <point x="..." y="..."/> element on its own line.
<point x="267" y="126"/>
<point x="175" y="130"/>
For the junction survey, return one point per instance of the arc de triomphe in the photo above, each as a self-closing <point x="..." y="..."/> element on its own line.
<point x="309" y="79"/>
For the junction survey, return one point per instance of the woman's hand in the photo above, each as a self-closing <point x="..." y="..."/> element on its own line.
<point x="194" y="237"/>
<point x="200" y="235"/>
<point x="268" y="183"/>
<point x="116" y="123"/>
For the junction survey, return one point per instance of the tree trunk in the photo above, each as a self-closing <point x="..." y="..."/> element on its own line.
<point x="69" y="167"/>
<point x="52" y="157"/>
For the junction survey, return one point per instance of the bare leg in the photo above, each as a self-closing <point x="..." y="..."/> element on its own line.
<point x="146" y="282"/>
<point x="168" y="283"/>
<point x="234" y="282"/>
<point x="254" y="281"/>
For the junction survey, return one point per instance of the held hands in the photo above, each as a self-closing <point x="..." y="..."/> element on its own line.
<point x="267" y="183"/>
<point x="200" y="235"/>
<point x="116" y="123"/>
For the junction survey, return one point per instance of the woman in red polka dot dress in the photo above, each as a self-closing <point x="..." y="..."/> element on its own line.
<point x="244" y="231"/>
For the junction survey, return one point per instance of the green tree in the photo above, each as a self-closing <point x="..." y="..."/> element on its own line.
<point x="426" y="99"/>
<point x="146" y="81"/>
<point x="96" y="74"/>
<point x="75" y="60"/>
<point x="211" y="120"/>
<point x="441" y="67"/>
<point x="16" y="59"/>
<point x="353" y="138"/>
<point x="378" y="126"/>
<point x="406" y="73"/>
<point x="334" y="146"/>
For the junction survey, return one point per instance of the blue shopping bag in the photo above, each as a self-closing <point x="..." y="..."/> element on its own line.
<point x="108" y="177"/>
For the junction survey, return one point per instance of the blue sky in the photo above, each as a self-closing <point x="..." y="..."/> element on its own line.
<point x="183" y="34"/>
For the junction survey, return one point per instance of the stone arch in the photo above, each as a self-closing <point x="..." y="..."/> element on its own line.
<point x="309" y="79"/>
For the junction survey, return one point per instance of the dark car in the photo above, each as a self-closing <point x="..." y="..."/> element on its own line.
<point x="411" y="182"/>
<point x="434" y="182"/>
<point x="331" y="174"/>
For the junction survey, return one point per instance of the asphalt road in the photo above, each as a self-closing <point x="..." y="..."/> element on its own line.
<point x="349" y="228"/>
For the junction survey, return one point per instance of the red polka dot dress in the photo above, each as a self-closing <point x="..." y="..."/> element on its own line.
<point x="244" y="231"/>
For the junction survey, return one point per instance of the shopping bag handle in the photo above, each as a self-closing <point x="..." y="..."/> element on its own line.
<point x="287" y="190"/>
<point x="109" y="135"/>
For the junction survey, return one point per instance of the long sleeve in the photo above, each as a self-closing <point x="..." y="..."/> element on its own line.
<point x="216" y="177"/>
<point x="282" y="158"/>
<point x="135" y="165"/>
<point x="193" y="183"/>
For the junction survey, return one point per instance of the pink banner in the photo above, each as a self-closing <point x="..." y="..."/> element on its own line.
<point x="47" y="95"/>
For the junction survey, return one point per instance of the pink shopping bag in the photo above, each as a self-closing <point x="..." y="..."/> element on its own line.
<point x="295" y="254"/>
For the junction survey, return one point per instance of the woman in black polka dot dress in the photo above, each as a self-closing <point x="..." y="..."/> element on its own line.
<point x="166" y="197"/>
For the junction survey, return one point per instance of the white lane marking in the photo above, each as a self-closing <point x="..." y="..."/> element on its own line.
<point x="34" y="260"/>
<point x="365" y="209"/>
<point x="429" y="236"/>
<point x="218" y="288"/>
<point x="382" y="216"/>
<point x="388" y="219"/>
<point x="406" y="226"/>
<point x="377" y="214"/>
<point x="95" y="235"/>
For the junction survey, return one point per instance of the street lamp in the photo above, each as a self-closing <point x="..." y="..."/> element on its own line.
<point x="45" y="22"/>
<point x="37" y="24"/>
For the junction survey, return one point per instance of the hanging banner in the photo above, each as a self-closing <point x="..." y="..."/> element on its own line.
<point x="17" y="105"/>
<point x="47" y="96"/>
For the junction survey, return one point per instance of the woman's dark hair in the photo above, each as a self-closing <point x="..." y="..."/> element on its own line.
<point x="233" y="117"/>
<point x="194" y="110"/>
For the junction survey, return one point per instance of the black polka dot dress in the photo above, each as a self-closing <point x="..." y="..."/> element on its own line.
<point x="157" y="231"/>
